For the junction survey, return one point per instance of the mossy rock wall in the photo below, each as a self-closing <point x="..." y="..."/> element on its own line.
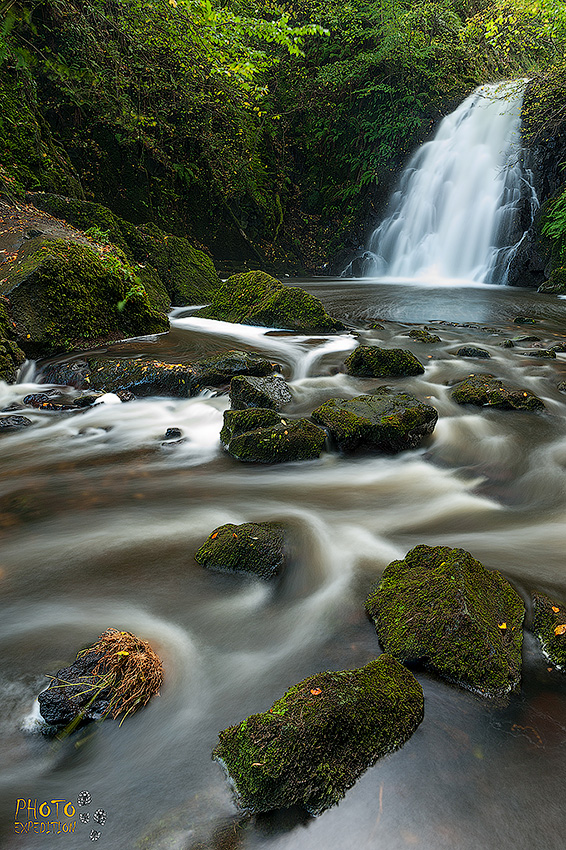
<point x="11" y="355"/>
<point x="63" y="296"/>
<point x="317" y="740"/>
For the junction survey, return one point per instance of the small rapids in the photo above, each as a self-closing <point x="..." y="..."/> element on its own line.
<point x="101" y="517"/>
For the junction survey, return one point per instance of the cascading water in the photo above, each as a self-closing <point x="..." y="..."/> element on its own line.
<point x="465" y="199"/>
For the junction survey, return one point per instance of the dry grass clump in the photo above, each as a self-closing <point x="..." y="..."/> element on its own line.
<point x="128" y="668"/>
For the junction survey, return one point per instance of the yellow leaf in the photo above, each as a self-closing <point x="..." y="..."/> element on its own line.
<point x="502" y="625"/>
<point x="560" y="630"/>
<point x="556" y="610"/>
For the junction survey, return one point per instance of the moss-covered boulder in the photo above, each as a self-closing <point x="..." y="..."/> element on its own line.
<point x="246" y="391"/>
<point x="317" y="740"/>
<point x="369" y="361"/>
<point x="252" y="547"/>
<point x="441" y="607"/>
<point x="471" y="351"/>
<point x="11" y="355"/>
<point x="549" y="625"/>
<point x="65" y="295"/>
<point x="488" y="391"/>
<point x="187" y="274"/>
<point x="260" y="435"/>
<point x="387" y="421"/>
<point x="424" y="335"/>
<point x="219" y="369"/>
<point x="256" y="298"/>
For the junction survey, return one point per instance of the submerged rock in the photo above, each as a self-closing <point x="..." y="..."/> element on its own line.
<point x="318" y="739"/>
<point x="470" y="351"/>
<point x="256" y="298"/>
<point x="525" y="320"/>
<point x="549" y="625"/>
<point x="386" y="420"/>
<point x="441" y="607"/>
<point x="424" y="335"/>
<point x="115" y="676"/>
<point x="262" y="436"/>
<point x="252" y="547"/>
<point x="13" y="423"/>
<point x="247" y="391"/>
<point x="549" y="353"/>
<point x="488" y="391"/>
<point x="369" y="361"/>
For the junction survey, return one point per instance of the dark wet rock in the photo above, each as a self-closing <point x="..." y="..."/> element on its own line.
<point x="252" y="547"/>
<point x="65" y="295"/>
<point x="556" y="283"/>
<point x="441" y="607"/>
<point x="11" y="355"/>
<point x="256" y="298"/>
<point x="559" y="347"/>
<point x="247" y="391"/>
<point x="523" y="339"/>
<point x="140" y="377"/>
<point x="549" y="625"/>
<point x="525" y="320"/>
<point x="87" y="399"/>
<point x="387" y="420"/>
<point x="72" y="374"/>
<point x="13" y="423"/>
<point x="470" y="351"/>
<point x="71" y="692"/>
<point x="488" y="391"/>
<point x="423" y="335"/>
<point x="49" y="401"/>
<point x="172" y="434"/>
<point x="507" y="343"/>
<point x="375" y="326"/>
<point x="561" y="386"/>
<point x="259" y="435"/>
<point x="541" y="353"/>
<point x="320" y="737"/>
<point x="218" y="370"/>
<point x="369" y="361"/>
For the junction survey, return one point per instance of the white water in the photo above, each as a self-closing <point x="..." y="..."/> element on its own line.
<point x="456" y="212"/>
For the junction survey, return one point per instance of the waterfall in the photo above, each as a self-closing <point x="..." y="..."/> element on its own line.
<point x="465" y="198"/>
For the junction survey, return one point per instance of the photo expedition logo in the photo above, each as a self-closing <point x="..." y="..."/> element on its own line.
<point x="57" y="817"/>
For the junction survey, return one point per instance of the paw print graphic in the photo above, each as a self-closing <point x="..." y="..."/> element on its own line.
<point x="94" y="835"/>
<point x="99" y="816"/>
<point x="84" y="798"/>
<point x="84" y="817"/>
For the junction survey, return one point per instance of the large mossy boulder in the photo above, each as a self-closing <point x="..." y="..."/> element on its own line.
<point x="247" y="391"/>
<point x="256" y="298"/>
<point x="11" y="355"/>
<point x="488" y="391"/>
<point x="441" y="607"/>
<point x="317" y="740"/>
<point x="369" y="361"/>
<point x="260" y="435"/>
<point x="65" y="295"/>
<point x="549" y="625"/>
<point x="386" y="421"/>
<point x="252" y="547"/>
<point x="187" y="274"/>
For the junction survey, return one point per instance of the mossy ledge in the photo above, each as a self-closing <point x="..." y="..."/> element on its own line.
<point x="441" y="607"/>
<point x="549" y="625"/>
<point x="256" y="298"/>
<point x="317" y="740"/>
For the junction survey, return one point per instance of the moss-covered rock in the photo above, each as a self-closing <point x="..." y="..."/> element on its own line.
<point x="556" y="283"/>
<point x="441" y="607"/>
<point x="541" y="353"/>
<point x="258" y="435"/>
<point x="11" y="355"/>
<point x="219" y="369"/>
<point x="65" y="295"/>
<point x="252" y="547"/>
<point x="256" y="298"/>
<point x="424" y="335"/>
<point x="247" y="391"/>
<point x="186" y="274"/>
<point x="488" y="391"/>
<point x="387" y="421"/>
<point x="549" y="625"/>
<point x="471" y="351"/>
<point x="318" y="739"/>
<point x="369" y="361"/>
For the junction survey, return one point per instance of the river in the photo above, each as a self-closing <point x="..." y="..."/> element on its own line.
<point x="100" y="523"/>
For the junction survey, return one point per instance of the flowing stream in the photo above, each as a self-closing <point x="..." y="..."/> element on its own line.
<point x="455" y="212"/>
<point x="100" y="522"/>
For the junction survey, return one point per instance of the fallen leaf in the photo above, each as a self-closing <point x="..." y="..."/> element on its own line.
<point x="502" y="625"/>
<point x="316" y="691"/>
<point x="560" y="630"/>
<point x="556" y="610"/>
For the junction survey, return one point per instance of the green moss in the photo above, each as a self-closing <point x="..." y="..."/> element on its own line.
<point x="11" y="355"/>
<point x="317" y="740"/>
<point x="256" y="298"/>
<point x="140" y="377"/>
<point x="252" y="547"/>
<point x="423" y="335"/>
<point x="219" y="369"/>
<point x="549" y="625"/>
<point x="259" y="435"/>
<point x="487" y="391"/>
<point x="386" y="420"/>
<point x="369" y="361"/>
<point x="238" y="422"/>
<point x="64" y="295"/>
<point x="441" y="607"/>
<point x="556" y="284"/>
